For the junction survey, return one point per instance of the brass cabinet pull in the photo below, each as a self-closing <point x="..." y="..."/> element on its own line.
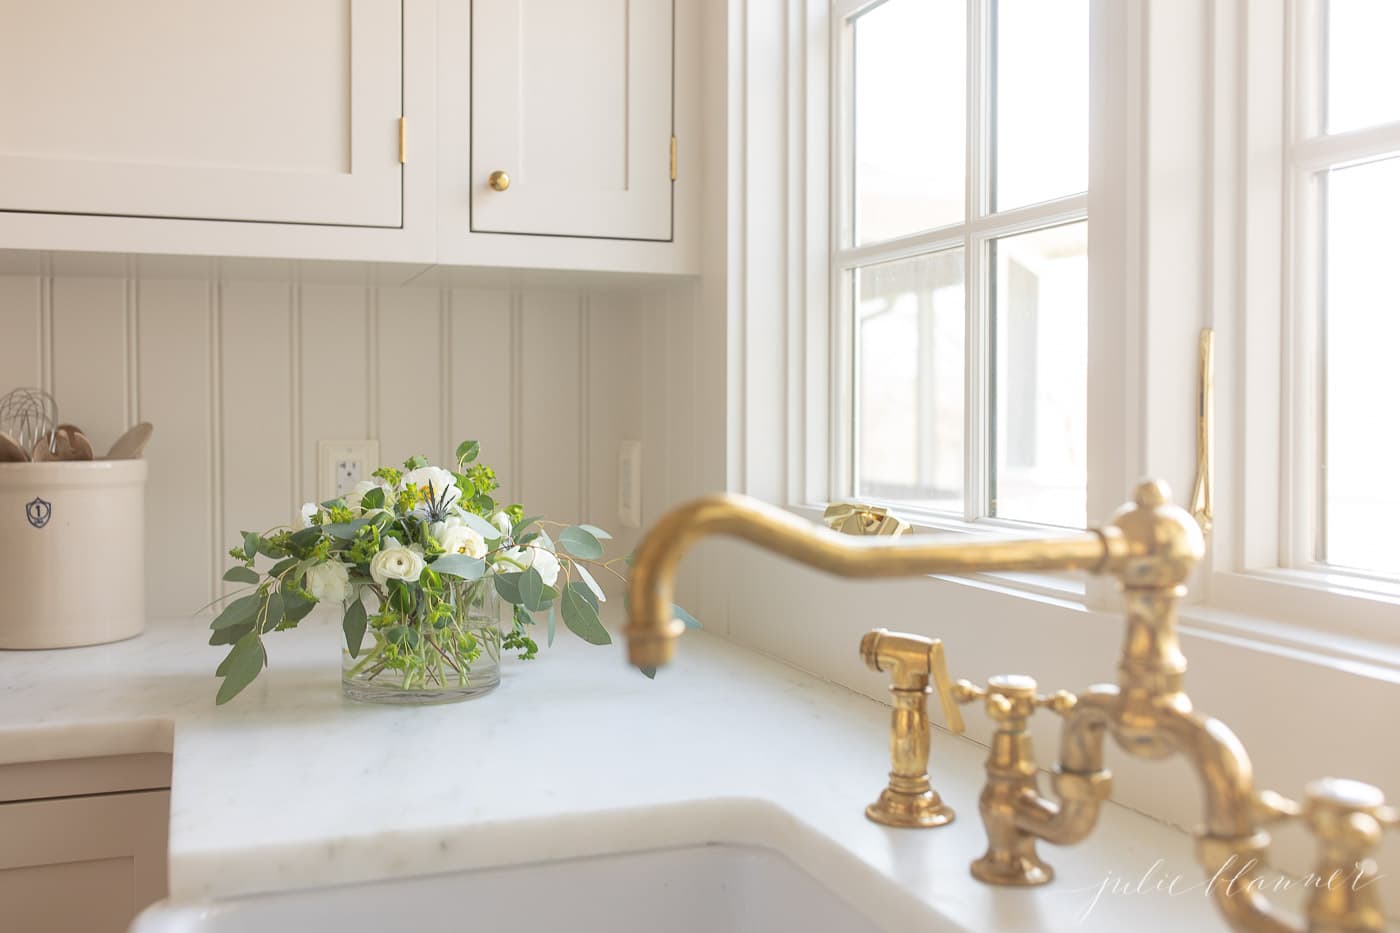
<point x="499" y="181"/>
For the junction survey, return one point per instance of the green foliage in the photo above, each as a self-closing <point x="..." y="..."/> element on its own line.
<point x="420" y="631"/>
<point x="354" y="624"/>
<point x="581" y="542"/>
<point x="581" y="615"/>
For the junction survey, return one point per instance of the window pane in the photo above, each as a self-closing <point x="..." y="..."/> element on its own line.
<point x="1363" y="70"/>
<point x="909" y="117"/>
<point x="1041" y="97"/>
<point x="1362" y="323"/>
<point x="909" y="380"/>
<point x="1039" y="375"/>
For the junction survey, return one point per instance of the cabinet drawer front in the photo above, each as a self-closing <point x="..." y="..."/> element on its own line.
<point x="224" y="109"/>
<point x="82" y="863"/>
<point x="573" y="100"/>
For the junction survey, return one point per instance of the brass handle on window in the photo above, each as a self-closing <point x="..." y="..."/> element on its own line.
<point x="1202" y="506"/>
<point x="499" y="181"/>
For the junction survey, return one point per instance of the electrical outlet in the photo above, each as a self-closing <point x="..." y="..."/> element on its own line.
<point x="342" y="464"/>
<point x="629" y="484"/>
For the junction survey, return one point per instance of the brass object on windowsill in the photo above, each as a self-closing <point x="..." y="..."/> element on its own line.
<point x="912" y="662"/>
<point x="1151" y="546"/>
<point x="853" y="519"/>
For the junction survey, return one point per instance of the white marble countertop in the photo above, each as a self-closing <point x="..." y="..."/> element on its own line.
<point x="291" y="785"/>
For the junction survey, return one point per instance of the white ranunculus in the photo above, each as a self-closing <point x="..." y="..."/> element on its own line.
<point x="457" y="537"/>
<point x="356" y="496"/>
<point x="308" y="512"/>
<point x="397" y="563"/>
<point x="437" y="479"/>
<point x="329" y="582"/>
<point x="533" y="555"/>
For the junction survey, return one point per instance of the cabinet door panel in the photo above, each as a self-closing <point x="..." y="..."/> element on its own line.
<point x="222" y="109"/>
<point x="572" y="99"/>
<point x="82" y="863"/>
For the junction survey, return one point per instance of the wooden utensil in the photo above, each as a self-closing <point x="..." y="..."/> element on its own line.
<point x="66" y="442"/>
<point x="10" y="452"/>
<point x="130" y="445"/>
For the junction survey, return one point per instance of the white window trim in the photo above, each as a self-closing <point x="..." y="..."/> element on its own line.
<point x="1140" y="230"/>
<point x="974" y="235"/>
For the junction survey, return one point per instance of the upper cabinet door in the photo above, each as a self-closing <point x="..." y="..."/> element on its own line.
<point x="259" y="110"/>
<point x="571" y="100"/>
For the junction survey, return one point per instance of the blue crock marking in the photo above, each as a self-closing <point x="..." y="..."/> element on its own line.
<point x="38" y="512"/>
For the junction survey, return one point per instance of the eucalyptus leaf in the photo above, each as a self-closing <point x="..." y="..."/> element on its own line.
<point x="239" y="611"/>
<point x="250" y="544"/>
<point x="648" y="671"/>
<point x="467" y="451"/>
<point x="524" y="523"/>
<point x="296" y="606"/>
<point x="508" y="586"/>
<point x="580" y="542"/>
<point x="229" y="634"/>
<point x="481" y="526"/>
<point x="242" y="665"/>
<point x="592" y="583"/>
<point x="374" y="499"/>
<point x="282" y="566"/>
<point x="460" y="565"/>
<point x="532" y="590"/>
<point x="241" y="575"/>
<point x="306" y="538"/>
<point x="586" y="594"/>
<point x="549" y="627"/>
<point x="582" y="618"/>
<point x="274" y="615"/>
<point x="597" y="532"/>
<point x="690" y="621"/>
<point x="348" y="529"/>
<point x="355" y="622"/>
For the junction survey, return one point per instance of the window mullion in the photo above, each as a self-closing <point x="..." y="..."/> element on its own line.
<point x="977" y="423"/>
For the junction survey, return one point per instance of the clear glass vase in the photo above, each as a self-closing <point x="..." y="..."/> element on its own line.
<point x="415" y="661"/>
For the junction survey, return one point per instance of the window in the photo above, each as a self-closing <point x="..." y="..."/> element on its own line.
<point x="960" y="262"/>
<point x="1345" y="171"/>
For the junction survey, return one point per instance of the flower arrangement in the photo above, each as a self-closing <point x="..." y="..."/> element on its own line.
<point x="420" y="558"/>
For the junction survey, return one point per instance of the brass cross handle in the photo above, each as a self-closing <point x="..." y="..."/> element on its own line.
<point x="1347" y="818"/>
<point x="912" y="662"/>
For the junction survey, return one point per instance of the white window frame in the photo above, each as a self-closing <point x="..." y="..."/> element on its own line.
<point x="1273" y="571"/>
<point x="974" y="235"/>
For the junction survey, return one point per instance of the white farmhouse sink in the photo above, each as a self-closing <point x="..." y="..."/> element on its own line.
<point x="698" y="889"/>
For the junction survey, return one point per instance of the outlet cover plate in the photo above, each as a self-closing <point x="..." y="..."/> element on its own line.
<point x="342" y="464"/>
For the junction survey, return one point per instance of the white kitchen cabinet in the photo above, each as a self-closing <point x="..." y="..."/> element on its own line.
<point x="572" y="103"/>
<point x="82" y="842"/>
<point x="233" y="110"/>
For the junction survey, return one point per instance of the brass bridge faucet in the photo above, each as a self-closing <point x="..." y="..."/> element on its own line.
<point x="1151" y="546"/>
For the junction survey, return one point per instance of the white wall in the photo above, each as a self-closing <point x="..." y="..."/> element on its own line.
<point x="242" y="375"/>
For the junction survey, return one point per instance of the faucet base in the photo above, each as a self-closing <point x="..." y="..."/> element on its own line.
<point x="1007" y="868"/>
<point x="910" y="811"/>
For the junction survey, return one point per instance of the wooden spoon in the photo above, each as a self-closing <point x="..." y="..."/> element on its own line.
<point x="65" y="442"/>
<point x="10" y="452"/>
<point x="130" y="445"/>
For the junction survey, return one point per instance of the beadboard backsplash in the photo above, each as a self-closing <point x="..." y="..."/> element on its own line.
<point x="242" y="377"/>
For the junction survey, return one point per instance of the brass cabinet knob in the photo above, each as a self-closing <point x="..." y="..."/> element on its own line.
<point x="499" y="180"/>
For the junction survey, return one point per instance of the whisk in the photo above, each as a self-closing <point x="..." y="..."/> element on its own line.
<point x="27" y="415"/>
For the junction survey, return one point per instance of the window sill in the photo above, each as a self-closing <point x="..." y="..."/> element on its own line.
<point x="1312" y="616"/>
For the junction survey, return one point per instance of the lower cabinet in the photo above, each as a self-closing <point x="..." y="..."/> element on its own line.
<point x="86" y="861"/>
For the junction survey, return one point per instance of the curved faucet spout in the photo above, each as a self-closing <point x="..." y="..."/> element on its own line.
<point x="652" y="628"/>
